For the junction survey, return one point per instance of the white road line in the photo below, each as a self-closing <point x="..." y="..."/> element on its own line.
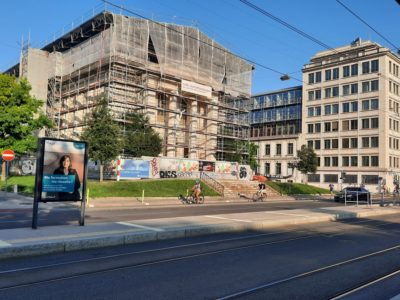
<point x="222" y="218"/>
<point x="141" y="226"/>
<point x="4" y="244"/>
<point x="278" y="213"/>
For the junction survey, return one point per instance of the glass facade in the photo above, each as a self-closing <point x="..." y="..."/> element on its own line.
<point x="276" y="113"/>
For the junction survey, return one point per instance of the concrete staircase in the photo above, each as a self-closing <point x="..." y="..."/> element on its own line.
<point x="247" y="188"/>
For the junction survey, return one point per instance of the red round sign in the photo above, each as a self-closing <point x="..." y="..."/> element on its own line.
<point x="8" y="155"/>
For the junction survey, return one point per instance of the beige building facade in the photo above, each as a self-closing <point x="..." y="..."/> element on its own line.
<point x="351" y="115"/>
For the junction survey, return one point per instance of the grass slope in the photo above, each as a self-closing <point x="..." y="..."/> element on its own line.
<point x="296" y="188"/>
<point x="152" y="188"/>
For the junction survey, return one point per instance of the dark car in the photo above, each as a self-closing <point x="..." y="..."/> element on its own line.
<point x="351" y="194"/>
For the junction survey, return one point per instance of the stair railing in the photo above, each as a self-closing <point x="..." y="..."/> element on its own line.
<point x="212" y="182"/>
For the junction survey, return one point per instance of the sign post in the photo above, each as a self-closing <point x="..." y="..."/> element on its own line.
<point x="61" y="172"/>
<point x="7" y="155"/>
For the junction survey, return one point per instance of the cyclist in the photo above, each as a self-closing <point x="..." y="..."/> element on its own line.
<point x="261" y="189"/>
<point x="196" y="190"/>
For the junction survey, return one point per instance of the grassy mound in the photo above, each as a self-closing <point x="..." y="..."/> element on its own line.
<point x="296" y="188"/>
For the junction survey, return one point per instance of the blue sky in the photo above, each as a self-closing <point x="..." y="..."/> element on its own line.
<point x="233" y="24"/>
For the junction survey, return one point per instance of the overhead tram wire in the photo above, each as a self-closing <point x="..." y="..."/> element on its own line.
<point x="196" y="39"/>
<point x="363" y="21"/>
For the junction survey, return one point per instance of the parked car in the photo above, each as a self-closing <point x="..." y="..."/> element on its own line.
<point x="351" y="194"/>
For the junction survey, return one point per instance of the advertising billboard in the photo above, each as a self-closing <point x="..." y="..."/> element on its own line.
<point x="134" y="168"/>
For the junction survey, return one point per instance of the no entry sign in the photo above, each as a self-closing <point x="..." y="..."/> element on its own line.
<point x="8" y="155"/>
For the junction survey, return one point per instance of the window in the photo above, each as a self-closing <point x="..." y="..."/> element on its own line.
<point x="365" y="105"/>
<point x="278" y="149"/>
<point x="335" y="126"/>
<point x="374" y="141"/>
<point x="365" y="142"/>
<point x="335" y="109"/>
<point x="335" y="143"/>
<point x="318" y="110"/>
<point x="354" y="70"/>
<point x="365" y="123"/>
<point x="335" y="161"/>
<point x="354" y="88"/>
<point x="370" y="179"/>
<point x="318" y="76"/>
<point x="313" y="177"/>
<point x="353" y="142"/>
<point x="346" y="90"/>
<point x="374" y="85"/>
<point x="374" y="104"/>
<point x="365" y="161"/>
<point x="278" y="168"/>
<point x="267" y="169"/>
<point x="310" y="144"/>
<point x="317" y="94"/>
<point x="311" y="78"/>
<point x="327" y="144"/>
<point x="365" y="67"/>
<point x="328" y="92"/>
<point x="346" y="71"/>
<point x="374" y="161"/>
<point x="345" y="125"/>
<point x="345" y="161"/>
<point x="290" y="149"/>
<point x="311" y="95"/>
<point x="317" y="127"/>
<point x="346" y="107"/>
<point x="354" y="106"/>
<point x="335" y="73"/>
<point x="327" y="109"/>
<point x="354" y="124"/>
<point x="311" y="111"/>
<point x="354" y="161"/>
<point x="317" y="144"/>
<point x="345" y="143"/>
<point x="328" y="75"/>
<point x="374" y="122"/>
<point x="375" y="65"/>
<point x="365" y="86"/>
<point x="310" y="128"/>
<point x="335" y="91"/>
<point x="327" y="161"/>
<point x="327" y="126"/>
<point x="330" y="178"/>
<point x="268" y="150"/>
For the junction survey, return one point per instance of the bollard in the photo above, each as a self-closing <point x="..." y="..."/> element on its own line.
<point x="142" y="196"/>
<point x="345" y="197"/>
<point x="357" y="199"/>
<point x="87" y="197"/>
<point x="15" y="188"/>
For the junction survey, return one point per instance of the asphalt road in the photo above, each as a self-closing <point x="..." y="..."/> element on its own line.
<point x="18" y="218"/>
<point x="316" y="261"/>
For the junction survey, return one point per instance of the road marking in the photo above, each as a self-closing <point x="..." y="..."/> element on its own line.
<point x="141" y="226"/>
<point x="4" y="244"/>
<point x="279" y="213"/>
<point x="223" y="218"/>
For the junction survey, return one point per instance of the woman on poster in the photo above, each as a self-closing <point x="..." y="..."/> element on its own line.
<point x="65" y="168"/>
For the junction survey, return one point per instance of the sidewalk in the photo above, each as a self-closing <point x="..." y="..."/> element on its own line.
<point x="55" y="239"/>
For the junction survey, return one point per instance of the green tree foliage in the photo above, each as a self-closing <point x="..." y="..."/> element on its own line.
<point x="139" y="138"/>
<point x="244" y="153"/>
<point x="307" y="160"/>
<point x="20" y="116"/>
<point x="103" y="135"/>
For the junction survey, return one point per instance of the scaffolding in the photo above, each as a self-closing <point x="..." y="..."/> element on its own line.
<point x="142" y="65"/>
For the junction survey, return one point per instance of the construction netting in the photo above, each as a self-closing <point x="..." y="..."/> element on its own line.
<point x="180" y="51"/>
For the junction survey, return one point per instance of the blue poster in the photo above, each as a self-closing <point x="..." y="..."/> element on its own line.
<point x="133" y="168"/>
<point x="58" y="183"/>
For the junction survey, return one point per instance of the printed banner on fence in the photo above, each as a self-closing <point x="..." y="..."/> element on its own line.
<point x="134" y="168"/>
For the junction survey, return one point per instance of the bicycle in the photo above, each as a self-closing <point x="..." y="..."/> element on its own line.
<point x="258" y="196"/>
<point x="190" y="199"/>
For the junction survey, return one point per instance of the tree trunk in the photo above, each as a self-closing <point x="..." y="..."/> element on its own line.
<point x="101" y="172"/>
<point x="3" y="171"/>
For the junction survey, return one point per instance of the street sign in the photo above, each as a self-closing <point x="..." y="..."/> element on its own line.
<point x="8" y="155"/>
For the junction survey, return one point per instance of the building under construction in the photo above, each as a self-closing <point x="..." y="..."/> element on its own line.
<point x="193" y="90"/>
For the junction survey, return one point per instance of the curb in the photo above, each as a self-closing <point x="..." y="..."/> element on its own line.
<point x="119" y="239"/>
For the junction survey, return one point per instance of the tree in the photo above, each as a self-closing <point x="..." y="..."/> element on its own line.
<point x="307" y="160"/>
<point x="139" y="138"/>
<point x="103" y="135"/>
<point x="245" y="153"/>
<point x="20" y="117"/>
